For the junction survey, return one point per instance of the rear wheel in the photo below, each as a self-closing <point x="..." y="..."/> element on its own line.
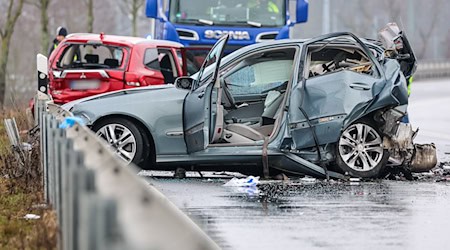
<point x="360" y="151"/>
<point x="125" y="138"/>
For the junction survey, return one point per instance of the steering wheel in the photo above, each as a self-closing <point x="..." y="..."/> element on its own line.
<point x="228" y="94"/>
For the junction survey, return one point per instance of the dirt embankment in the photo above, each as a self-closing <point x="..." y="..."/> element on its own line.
<point x="21" y="192"/>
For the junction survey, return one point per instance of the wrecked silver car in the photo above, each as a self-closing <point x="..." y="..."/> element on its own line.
<point x="326" y="106"/>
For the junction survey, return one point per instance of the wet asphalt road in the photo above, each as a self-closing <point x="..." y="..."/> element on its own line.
<point x="303" y="215"/>
<point x="384" y="215"/>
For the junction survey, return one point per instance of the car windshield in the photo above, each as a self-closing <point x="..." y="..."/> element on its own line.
<point x="229" y="12"/>
<point x="93" y="56"/>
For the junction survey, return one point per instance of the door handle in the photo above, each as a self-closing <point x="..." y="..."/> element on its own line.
<point x="201" y="94"/>
<point x="359" y="86"/>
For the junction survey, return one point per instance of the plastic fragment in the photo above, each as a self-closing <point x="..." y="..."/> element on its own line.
<point x="31" y="217"/>
<point x="241" y="182"/>
<point x="70" y="122"/>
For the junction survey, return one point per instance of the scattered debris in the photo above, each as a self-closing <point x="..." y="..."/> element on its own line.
<point x="308" y="180"/>
<point x="354" y="181"/>
<point x="31" y="217"/>
<point x="70" y="122"/>
<point x="240" y="182"/>
<point x="180" y="173"/>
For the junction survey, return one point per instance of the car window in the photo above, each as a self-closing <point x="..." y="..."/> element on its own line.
<point x="92" y="56"/>
<point x="261" y="73"/>
<point x="331" y="58"/>
<point x="161" y="60"/>
<point x="192" y="64"/>
<point x="211" y="60"/>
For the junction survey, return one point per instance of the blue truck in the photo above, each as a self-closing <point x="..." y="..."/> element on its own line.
<point x="198" y="24"/>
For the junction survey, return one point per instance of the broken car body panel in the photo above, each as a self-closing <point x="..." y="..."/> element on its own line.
<point x="335" y="85"/>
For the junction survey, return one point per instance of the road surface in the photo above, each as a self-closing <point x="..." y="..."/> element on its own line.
<point x="303" y="215"/>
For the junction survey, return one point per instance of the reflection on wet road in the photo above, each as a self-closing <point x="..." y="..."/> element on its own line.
<point x="377" y="215"/>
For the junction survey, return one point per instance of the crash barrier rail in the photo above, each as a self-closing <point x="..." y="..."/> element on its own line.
<point x="100" y="202"/>
<point x="434" y="69"/>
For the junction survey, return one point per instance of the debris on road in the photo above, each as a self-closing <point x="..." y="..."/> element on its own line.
<point x="241" y="182"/>
<point x="308" y="180"/>
<point x="354" y="181"/>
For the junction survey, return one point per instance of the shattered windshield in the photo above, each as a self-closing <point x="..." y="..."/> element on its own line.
<point x="229" y="12"/>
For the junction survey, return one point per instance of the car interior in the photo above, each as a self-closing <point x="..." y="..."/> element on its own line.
<point x="324" y="59"/>
<point x="86" y="56"/>
<point x="250" y="97"/>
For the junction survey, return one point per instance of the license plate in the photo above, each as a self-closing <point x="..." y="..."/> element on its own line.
<point x="84" y="84"/>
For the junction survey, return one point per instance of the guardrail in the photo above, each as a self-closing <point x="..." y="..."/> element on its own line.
<point x="100" y="202"/>
<point x="426" y="70"/>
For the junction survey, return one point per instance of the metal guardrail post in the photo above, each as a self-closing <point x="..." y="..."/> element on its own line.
<point x="150" y="218"/>
<point x="75" y="162"/>
<point x="59" y="145"/>
<point x="14" y="139"/>
<point x="51" y="133"/>
<point x="66" y="160"/>
<point x="12" y="131"/>
<point x="44" y="120"/>
<point x="59" y="138"/>
<point x="110" y="237"/>
<point x="100" y="202"/>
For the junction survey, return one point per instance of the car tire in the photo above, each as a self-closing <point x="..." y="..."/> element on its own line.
<point x="360" y="152"/>
<point x="132" y="146"/>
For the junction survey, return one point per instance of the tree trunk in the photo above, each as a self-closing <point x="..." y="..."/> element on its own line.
<point x="3" y="63"/>
<point x="5" y="34"/>
<point x="90" y="17"/>
<point x="45" y="36"/>
<point x="134" y="13"/>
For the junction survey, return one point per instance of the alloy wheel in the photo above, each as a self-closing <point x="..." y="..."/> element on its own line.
<point x="360" y="147"/>
<point x="121" y="139"/>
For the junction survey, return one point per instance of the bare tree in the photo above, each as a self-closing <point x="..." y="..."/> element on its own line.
<point x="90" y="15"/>
<point x="6" y="31"/>
<point x="42" y="5"/>
<point x="132" y="8"/>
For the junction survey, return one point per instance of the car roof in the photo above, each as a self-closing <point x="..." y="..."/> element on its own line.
<point x="119" y="40"/>
<point x="301" y="41"/>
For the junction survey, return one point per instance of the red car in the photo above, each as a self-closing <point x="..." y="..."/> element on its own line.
<point x="88" y="64"/>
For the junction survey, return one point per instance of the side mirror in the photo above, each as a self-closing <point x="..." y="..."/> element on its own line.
<point x="151" y="8"/>
<point x="184" y="82"/>
<point x="301" y="11"/>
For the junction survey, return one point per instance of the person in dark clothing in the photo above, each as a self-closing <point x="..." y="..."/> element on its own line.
<point x="61" y="33"/>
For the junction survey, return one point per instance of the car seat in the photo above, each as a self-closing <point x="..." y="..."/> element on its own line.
<point x="112" y="63"/>
<point x="91" y="58"/>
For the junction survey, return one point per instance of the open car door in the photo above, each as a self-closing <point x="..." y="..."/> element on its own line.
<point x="397" y="46"/>
<point x="197" y="104"/>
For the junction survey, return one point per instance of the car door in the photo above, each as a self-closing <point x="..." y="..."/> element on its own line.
<point x="397" y="46"/>
<point x="322" y="102"/>
<point x="197" y="104"/>
<point x="160" y="67"/>
<point x="87" y="69"/>
<point x="252" y="79"/>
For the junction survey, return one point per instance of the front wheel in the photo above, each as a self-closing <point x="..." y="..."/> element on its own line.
<point x="360" y="151"/>
<point x="125" y="139"/>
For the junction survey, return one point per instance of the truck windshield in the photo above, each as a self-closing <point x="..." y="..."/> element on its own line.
<point x="229" y="12"/>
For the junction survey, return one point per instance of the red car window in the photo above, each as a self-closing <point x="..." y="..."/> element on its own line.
<point x="93" y="56"/>
<point x="161" y="60"/>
